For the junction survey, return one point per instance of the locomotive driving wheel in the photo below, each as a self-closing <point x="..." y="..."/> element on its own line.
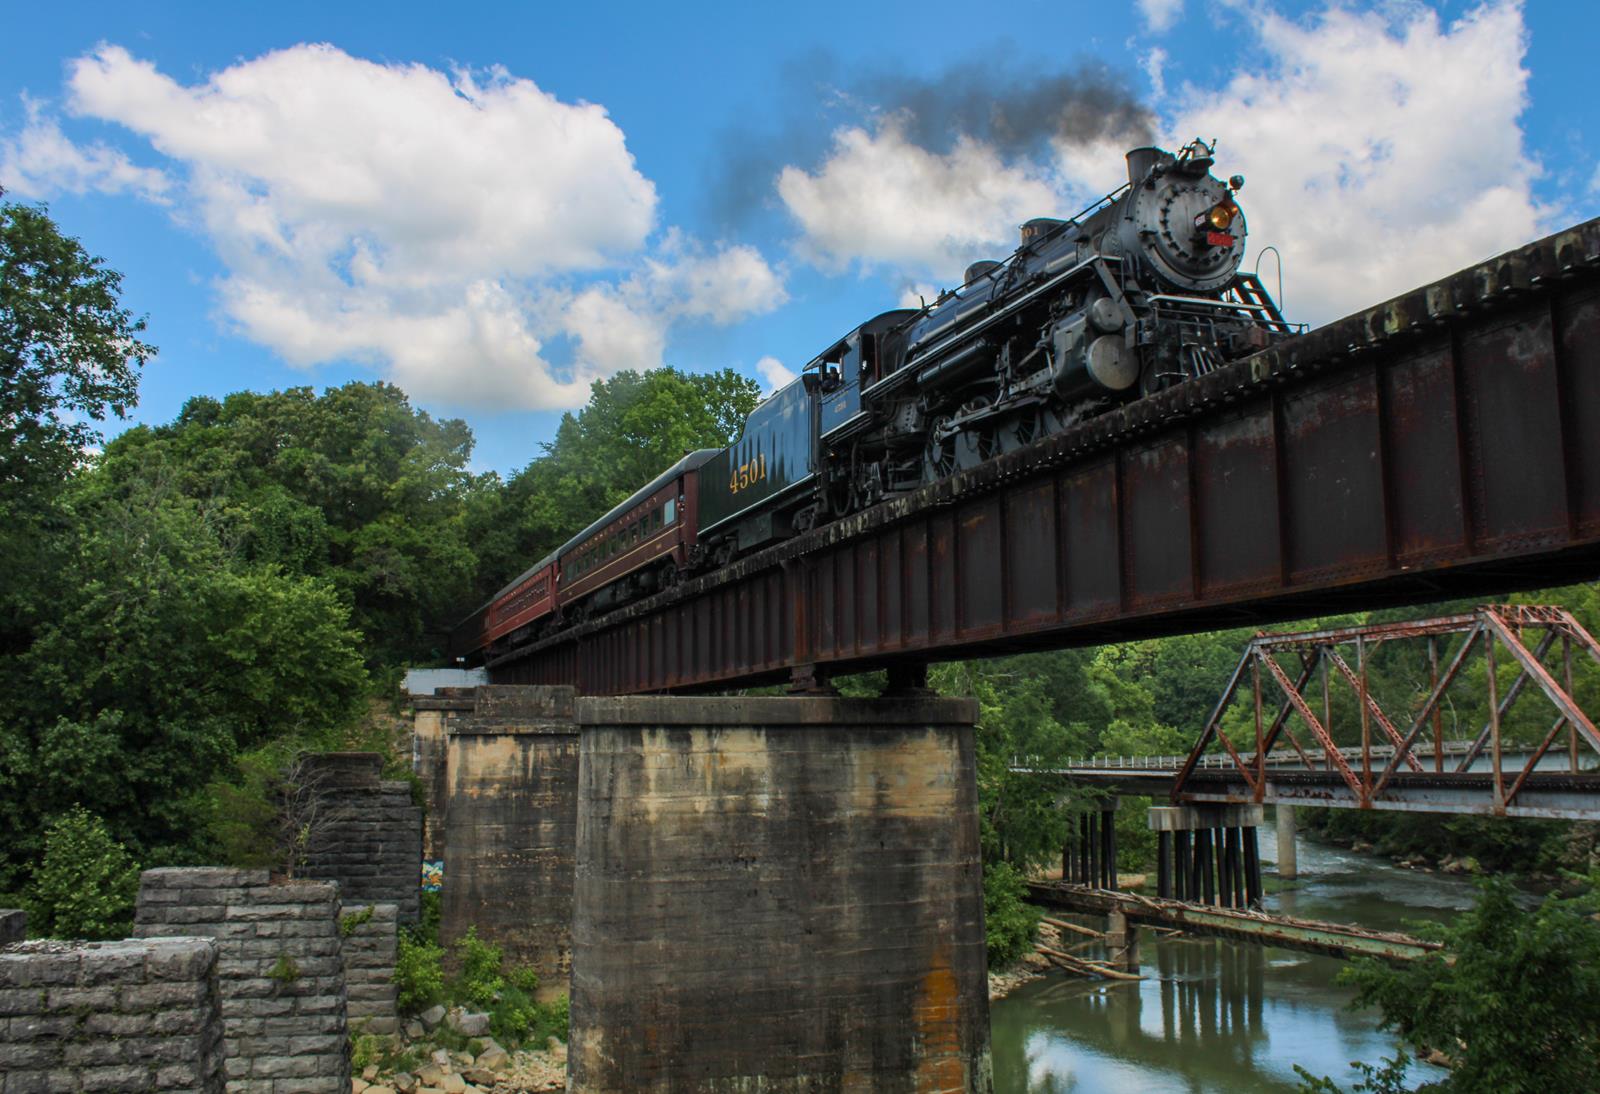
<point x="939" y="458"/>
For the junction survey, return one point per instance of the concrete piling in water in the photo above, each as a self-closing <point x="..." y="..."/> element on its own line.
<point x="1208" y="854"/>
<point x="1288" y="857"/>
<point x="1122" y="940"/>
<point x="778" y="894"/>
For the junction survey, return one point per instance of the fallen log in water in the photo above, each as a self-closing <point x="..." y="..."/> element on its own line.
<point x="1063" y="925"/>
<point x="1085" y="967"/>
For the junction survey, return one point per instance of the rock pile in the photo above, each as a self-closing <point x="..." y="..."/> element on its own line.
<point x="485" y="1067"/>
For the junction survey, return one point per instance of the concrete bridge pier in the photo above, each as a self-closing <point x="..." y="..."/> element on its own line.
<point x="1288" y="856"/>
<point x="510" y="817"/>
<point x="778" y="894"/>
<point x="1122" y="940"/>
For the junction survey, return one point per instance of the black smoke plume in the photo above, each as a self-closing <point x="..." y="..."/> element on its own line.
<point x="1018" y="113"/>
<point x="1019" y="108"/>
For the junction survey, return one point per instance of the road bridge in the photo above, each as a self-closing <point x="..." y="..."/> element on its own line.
<point x="1443" y="443"/>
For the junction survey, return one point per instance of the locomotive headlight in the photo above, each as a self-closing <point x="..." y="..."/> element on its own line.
<point x="1220" y="215"/>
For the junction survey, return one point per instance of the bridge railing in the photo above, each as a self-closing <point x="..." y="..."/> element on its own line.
<point x="1221" y="760"/>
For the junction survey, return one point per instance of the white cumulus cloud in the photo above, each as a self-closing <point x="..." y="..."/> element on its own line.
<point x="1160" y="15"/>
<point x="774" y="374"/>
<point x="40" y="161"/>
<point x="723" y="286"/>
<point x="446" y="228"/>
<point x="881" y="199"/>
<point x="1383" y="149"/>
<point x="306" y="151"/>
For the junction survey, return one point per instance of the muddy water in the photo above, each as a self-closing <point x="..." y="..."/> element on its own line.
<point x="1220" y="1016"/>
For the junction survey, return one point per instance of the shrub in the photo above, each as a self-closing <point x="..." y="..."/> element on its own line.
<point x="365" y="1051"/>
<point x="388" y="1054"/>
<point x="1009" y="921"/>
<point x="350" y="924"/>
<point x="86" y="884"/>
<point x="523" y="978"/>
<point x="517" y="1018"/>
<point x="480" y="981"/>
<point x="285" y="971"/>
<point x="418" y="974"/>
<point x="432" y="908"/>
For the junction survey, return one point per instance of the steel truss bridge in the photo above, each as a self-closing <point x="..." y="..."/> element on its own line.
<point x="1401" y="763"/>
<point x="1444" y="443"/>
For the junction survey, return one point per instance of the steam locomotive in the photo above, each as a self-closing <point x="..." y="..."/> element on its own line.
<point x="1140" y="291"/>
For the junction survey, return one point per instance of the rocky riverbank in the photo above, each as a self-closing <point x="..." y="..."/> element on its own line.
<point x="1027" y="968"/>
<point x="443" y="1052"/>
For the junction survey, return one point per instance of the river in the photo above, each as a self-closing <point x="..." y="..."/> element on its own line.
<point x="1215" y="1016"/>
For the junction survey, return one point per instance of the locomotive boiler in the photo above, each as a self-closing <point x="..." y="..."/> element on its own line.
<point x="1140" y="291"/>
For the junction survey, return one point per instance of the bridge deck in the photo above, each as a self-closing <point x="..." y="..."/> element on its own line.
<point x="1546" y="794"/>
<point x="1444" y="443"/>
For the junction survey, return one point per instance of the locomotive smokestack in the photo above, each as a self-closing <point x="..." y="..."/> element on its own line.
<point x="1141" y="161"/>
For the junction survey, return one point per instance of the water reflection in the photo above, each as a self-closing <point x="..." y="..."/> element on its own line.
<point x="1216" y="1016"/>
<point x="1210" y="1016"/>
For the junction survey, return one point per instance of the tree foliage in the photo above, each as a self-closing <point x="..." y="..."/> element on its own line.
<point x="1512" y="998"/>
<point x="68" y="352"/>
<point x="86" y="884"/>
<point x="69" y="358"/>
<point x="354" y="486"/>
<point x="161" y="660"/>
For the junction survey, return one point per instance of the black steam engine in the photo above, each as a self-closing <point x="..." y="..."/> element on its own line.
<point x="1139" y="292"/>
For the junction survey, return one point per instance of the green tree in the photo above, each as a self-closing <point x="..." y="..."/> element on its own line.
<point x="354" y="485"/>
<point x="69" y="357"/>
<point x="1010" y="923"/>
<point x="86" y="885"/>
<point x="68" y="352"/>
<point x="162" y="660"/>
<point x="1513" y="997"/>
<point x="1023" y="817"/>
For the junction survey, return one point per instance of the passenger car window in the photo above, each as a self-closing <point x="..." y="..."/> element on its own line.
<point x="670" y="510"/>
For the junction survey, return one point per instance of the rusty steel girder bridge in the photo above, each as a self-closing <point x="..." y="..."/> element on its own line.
<point x="1444" y="443"/>
<point x="1404" y="765"/>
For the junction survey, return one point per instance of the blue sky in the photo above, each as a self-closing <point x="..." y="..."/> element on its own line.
<point x="493" y="205"/>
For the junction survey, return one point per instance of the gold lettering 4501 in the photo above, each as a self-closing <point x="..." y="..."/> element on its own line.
<point x="747" y="475"/>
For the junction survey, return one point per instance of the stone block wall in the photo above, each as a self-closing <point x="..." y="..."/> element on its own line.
<point x="371" y="937"/>
<point x="132" y="1015"/>
<point x="279" y="971"/>
<point x="511" y="827"/>
<point x="371" y="838"/>
<point x="13" y="925"/>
